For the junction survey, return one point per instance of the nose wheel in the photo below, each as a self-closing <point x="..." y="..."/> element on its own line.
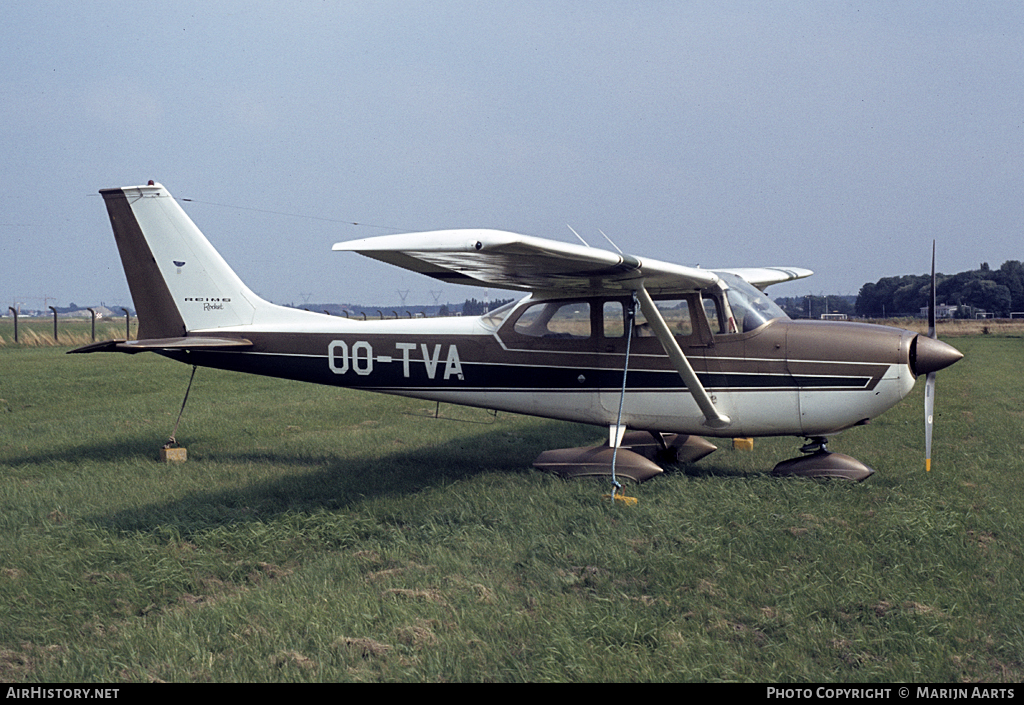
<point x="817" y="444"/>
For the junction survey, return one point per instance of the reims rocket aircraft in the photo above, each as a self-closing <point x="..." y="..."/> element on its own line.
<point x="668" y="352"/>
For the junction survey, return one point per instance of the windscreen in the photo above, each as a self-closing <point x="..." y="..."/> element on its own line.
<point x="751" y="307"/>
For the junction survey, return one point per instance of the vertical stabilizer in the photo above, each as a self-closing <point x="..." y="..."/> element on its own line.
<point x="178" y="281"/>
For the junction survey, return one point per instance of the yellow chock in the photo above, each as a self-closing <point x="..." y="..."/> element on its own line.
<point x="173" y="455"/>
<point x="628" y="501"/>
<point x="743" y="443"/>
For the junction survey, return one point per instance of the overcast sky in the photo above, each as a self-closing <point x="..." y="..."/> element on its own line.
<point x="841" y="137"/>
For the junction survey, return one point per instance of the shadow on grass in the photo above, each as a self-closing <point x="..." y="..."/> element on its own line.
<point x="109" y="450"/>
<point x="706" y="469"/>
<point x="311" y="482"/>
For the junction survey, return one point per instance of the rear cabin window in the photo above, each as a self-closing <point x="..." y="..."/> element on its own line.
<point x="554" y="320"/>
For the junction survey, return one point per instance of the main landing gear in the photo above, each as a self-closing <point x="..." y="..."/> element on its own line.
<point x="635" y="459"/>
<point x="640" y="453"/>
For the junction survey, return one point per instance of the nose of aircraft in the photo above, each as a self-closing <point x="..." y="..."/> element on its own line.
<point x="931" y="355"/>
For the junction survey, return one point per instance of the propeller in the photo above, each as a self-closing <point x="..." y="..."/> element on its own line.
<point x="929" y="382"/>
<point x="928" y="356"/>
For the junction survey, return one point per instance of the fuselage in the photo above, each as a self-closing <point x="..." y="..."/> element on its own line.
<point x="782" y="378"/>
<point x="604" y="339"/>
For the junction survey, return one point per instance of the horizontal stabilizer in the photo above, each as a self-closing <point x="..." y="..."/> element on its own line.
<point x="157" y="344"/>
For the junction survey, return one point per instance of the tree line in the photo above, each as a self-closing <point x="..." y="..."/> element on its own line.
<point x="995" y="291"/>
<point x="472" y="307"/>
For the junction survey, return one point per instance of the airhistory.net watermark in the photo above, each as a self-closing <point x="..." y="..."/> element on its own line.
<point x="62" y="693"/>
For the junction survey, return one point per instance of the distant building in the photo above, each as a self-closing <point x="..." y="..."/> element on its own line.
<point x="104" y="312"/>
<point x="101" y="312"/>
<point x="941" y="311"/>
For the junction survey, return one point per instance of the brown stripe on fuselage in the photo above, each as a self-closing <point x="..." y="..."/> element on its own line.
<point x="744" y="362"/>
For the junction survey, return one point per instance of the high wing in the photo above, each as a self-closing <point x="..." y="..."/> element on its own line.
<point x="504" y="260"/>
<point x="763" y="277"/>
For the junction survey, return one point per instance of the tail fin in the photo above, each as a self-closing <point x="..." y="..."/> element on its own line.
<point x="178" y="281"/>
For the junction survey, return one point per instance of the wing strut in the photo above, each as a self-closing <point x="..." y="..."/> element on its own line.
<point x="712" y="417"/>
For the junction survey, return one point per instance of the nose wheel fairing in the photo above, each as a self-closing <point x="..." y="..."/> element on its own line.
<point x="820" y="463"/>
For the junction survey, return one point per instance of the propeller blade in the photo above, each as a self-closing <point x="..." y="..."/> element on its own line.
<point x="929" y="384"/>
<point x="929" y="418"/>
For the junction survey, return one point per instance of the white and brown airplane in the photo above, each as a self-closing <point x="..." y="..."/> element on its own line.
<point x="668" y="351"/>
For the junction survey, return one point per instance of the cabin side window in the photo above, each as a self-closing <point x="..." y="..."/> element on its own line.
<point x="678" y="314"/>
<point x="614" y="319"/>
<point x="602" y="324"/>
<point x="675" y="312"/>
<point x="556" y="320"/>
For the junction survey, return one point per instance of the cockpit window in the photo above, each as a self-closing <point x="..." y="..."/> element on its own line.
<point x="751" y="308"/>
<point x="713" y="313"/>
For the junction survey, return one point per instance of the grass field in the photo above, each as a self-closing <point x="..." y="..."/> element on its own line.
<point x="318" y="534"/>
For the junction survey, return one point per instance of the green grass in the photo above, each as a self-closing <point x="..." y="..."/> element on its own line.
<point x="321" y="534"/>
